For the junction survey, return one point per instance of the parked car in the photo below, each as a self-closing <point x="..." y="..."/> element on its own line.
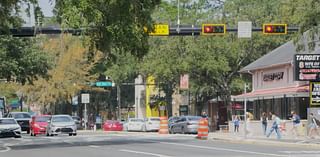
<point x="9" y="128"/>
<point x="151" y="124"/>
<point x="186" y="124"/>
<point x="61" y="124"/>
<point x="39" y="124"/>
<point x="112" y="125"/>
<point x="77" y="120"/>
<point x="134" y="124"/>
<point x="23" y="119"/>
<point x="171" y="121"/>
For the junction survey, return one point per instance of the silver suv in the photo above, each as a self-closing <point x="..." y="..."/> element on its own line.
<point x="61" y="124"/>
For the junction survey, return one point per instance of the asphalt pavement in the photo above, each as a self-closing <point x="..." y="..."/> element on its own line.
<point x="138" y="144"/>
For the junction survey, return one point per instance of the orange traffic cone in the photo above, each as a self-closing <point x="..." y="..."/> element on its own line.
<point x="203" y="129"/>
<point x="163" y="125"/>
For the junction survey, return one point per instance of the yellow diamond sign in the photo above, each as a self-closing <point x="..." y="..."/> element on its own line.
<point x="160" y="29"/>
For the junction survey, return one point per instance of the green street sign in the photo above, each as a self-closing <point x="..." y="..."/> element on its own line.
<point x="104" y="84"/>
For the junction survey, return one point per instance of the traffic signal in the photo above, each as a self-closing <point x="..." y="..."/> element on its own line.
<point x="213" y="29"/>
<point x="274" y="29"/>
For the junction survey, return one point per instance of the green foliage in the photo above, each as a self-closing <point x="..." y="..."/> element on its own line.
<point x="22" y="60"/>
<point x="114" y="23"/>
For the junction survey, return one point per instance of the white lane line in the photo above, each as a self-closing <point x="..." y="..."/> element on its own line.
<point x="145" y="153"/>
<point x="223" y="149"/>
<point x="6" y="149"/>
<point x="301" y="152"/>
<point x="93" y="146"/>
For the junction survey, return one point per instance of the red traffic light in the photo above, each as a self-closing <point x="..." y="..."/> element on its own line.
<point x="213" y="29"/>
<point x="274" y="29"/>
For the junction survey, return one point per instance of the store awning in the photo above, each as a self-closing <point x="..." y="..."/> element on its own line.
<point x="295" y="91"/>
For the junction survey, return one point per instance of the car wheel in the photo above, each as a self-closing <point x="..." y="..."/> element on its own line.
<point x="144" y="129"/>
<point x="75" y="134"/>
<point x="17" y="137"/>
<point x="70" y="134"/>
<point x="182" y="130"/>
<point x="28" y="131"/>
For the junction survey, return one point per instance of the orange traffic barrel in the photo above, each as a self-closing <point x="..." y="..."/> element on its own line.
<point x="163" y="125"/>
<point x="203" y="129"/>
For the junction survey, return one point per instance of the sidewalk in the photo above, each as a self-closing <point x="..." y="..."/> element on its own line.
<point x="287" y="140"/>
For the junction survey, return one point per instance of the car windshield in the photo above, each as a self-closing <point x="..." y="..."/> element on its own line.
<point x="76" y="118"/>
<point x="194" y="118"/>
<point x="154" y="119"/>
<point x="136" y="120"/>
<point x="7" y="121"/>
<point x="42" y="119"/>
<point x="61" y="119"/>
<point x="21" y="115"/>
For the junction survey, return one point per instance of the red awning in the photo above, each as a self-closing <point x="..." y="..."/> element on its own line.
<point x="295" y="91"/>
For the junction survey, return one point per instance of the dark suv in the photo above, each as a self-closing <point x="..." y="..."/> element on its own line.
<point x="23" y="119"/>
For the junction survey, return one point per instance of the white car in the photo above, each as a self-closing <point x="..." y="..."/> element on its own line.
<point x="9" y="128"/>
<point x="61" y="124"/>
<point x="151" y="124"/>
<point x="134" y="124"/>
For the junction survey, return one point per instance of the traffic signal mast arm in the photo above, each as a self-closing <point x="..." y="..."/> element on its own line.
<point x="181" y="30"/>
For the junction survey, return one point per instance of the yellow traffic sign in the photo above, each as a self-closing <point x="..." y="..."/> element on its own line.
<point x="160" y="29"/>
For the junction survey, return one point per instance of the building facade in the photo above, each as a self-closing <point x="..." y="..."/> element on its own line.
<point x="274" y="88"/>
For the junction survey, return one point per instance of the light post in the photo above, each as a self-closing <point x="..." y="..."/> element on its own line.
<point x="245" y="111"/>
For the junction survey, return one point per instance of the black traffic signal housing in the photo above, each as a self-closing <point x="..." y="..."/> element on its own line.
<point x="275" y="29"/>
<point x="213" y="29"/>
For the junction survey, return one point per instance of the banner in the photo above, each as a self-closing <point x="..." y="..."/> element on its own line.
<point x="314" y="93"/>
<point x="184" y="81"/>
<point x="307" y="67"/>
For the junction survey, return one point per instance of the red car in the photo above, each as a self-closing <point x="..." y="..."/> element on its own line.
<point x="112" y="125"/>
<point x="39" y="124"/>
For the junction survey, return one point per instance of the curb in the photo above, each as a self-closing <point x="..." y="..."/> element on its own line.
<point x="263" y="142"/>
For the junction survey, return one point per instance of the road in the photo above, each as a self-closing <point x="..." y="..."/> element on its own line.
<point x="143" y="145"/>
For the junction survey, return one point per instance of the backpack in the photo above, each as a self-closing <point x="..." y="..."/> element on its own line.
<point x="317" y="121"/>
<point x="297" y="119"/>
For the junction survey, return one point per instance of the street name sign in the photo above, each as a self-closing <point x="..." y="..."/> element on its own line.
<point x="104" y="84"/>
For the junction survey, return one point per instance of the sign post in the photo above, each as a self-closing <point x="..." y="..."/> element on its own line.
<point x="85" y="98"/>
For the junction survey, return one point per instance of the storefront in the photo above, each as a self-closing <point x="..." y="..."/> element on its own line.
<point x="274" y="87"/>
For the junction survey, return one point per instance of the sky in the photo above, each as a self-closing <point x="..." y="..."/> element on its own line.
<point x="46" y="8"/>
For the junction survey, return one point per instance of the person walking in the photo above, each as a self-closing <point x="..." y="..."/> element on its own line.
<point x="295" y="124"/>
<point x="264" y="122"/>
<point x="236" y="122"/>
<point x="275" y="126"/>
<point x="313" y="126"/>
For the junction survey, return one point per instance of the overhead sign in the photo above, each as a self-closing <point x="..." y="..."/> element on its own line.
<point x="314" y="93"/>
<point x="160" y="29"/>
<point x="244" y="29"/>
<point x="104" y="84"/>
<point x="85" y="98"/>
<point x="307" y="67"/>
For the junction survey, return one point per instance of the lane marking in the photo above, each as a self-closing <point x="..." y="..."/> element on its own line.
<point x="6" y="149"/>
<point x="93" y="146"/>
<point x="145" y="153"/>
<point x="301" y="152"/>
<point x="223" y="149"/>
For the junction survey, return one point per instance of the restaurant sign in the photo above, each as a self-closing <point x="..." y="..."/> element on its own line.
<point x="307" y="67"/>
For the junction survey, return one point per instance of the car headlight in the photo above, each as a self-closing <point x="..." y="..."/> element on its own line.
<point x="15" y="129"/>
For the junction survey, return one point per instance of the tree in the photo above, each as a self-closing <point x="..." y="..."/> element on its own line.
<point x="114" y="24"/>
<point x="22" y="61"/>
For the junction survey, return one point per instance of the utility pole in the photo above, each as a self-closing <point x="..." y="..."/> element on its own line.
<point x="119" y="101"/>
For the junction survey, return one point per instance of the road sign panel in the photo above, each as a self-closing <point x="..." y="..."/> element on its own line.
<point x="104" y="84"/>
<point x="160" y="29"/>
<point x="85" y="98"/>
<point x="244" y="29"/>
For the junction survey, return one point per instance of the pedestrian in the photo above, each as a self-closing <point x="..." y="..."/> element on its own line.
<point x="264" y="122"/>
<point x="275" y="126"/>
<point x="295" y="123"/>
<point x="91" y="121"/>
<point x="313" y="126"/>
<point x="236" y="122"/>
<point x="204" y="115"/>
